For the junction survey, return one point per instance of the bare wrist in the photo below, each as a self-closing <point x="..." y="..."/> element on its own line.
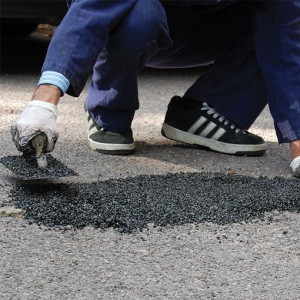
<point x="48" y="93"/>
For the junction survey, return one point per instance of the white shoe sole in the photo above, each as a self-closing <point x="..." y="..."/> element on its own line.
<point x="234" y="149"/>
<point x="114" y="149"/>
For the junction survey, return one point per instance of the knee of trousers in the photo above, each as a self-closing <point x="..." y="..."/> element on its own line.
<point x="145" y="24"/>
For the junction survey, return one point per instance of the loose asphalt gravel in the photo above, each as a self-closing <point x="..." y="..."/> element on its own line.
<point x="27" y="168"/>
<point x="175" y="199"/>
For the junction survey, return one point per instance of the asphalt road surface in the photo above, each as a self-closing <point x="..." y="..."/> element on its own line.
<point x="169" y="222"/>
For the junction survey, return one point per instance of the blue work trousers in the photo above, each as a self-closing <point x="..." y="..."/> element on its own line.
<point x="253" y="48"/>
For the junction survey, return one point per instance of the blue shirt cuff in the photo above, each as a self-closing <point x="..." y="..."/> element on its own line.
<point x="55" y="78"/>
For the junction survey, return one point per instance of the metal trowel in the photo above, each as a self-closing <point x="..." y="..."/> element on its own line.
<point x="37" y="164"/>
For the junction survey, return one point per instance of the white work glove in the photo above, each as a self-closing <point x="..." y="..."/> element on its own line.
<point x="295" y="165"/>
<point x="38" y="117"/>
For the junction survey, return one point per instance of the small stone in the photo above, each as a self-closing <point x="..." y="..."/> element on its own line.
<point x="10" y="211"/>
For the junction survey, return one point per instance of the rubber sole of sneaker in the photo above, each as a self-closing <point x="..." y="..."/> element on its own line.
<point x="113" y="149"/>
<point x="192" y="139"/>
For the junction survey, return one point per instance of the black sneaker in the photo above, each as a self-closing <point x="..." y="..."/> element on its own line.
<point x="108" y="142"/>
<point x="200" y="124"/>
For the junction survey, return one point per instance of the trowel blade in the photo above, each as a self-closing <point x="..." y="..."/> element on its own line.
<point x="26" y="168"/>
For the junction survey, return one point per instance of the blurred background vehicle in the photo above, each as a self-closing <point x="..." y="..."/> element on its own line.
<point x="21" y="17"/>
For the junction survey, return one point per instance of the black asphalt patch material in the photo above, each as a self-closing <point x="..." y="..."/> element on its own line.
<point x="131" y="204"/>
<point x="27" y="168"/>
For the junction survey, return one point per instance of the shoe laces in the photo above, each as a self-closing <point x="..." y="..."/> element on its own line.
<point x="211" y="111"/>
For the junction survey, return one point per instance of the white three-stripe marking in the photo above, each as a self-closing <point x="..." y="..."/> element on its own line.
<point x="197" y="124"/>
<point x="209" y="127"/>
<point x="218" y="134"/>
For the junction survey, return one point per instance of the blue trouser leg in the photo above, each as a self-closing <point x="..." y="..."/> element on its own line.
<point x="234" y="85"/>
<point x="277" y="43"/>
<point x="242" y="81"/>
<point x="113" y="94"/>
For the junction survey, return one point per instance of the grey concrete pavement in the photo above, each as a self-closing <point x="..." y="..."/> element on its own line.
<point x="254" y="260"/>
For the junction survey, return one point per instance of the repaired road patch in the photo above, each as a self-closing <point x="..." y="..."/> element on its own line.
<point x="163" y="200"/>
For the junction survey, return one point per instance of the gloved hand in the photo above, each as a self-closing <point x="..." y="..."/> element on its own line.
<point x="295" y="165"/>
<point x="38" y="117"/>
